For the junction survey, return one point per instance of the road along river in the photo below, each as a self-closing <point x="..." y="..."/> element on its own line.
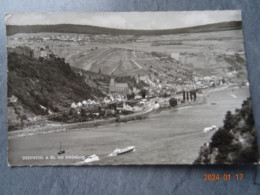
<point x="168" y="137"/>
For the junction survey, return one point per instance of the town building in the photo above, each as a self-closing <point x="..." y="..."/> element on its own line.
<point x="175" y="56"/>
<point x="118" y="88"/>
<point x="143" y="75"/>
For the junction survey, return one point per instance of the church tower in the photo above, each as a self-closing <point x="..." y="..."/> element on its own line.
<point x="112" y="85"/>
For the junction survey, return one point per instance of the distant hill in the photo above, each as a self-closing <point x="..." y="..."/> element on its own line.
<point x="87" y="29"/>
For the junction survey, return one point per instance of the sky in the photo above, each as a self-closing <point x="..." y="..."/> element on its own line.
<point x="126" y="20"/>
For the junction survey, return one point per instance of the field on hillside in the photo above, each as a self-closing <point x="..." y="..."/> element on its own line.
<point x="123" y="62"/>
<point x="125" y="54"/>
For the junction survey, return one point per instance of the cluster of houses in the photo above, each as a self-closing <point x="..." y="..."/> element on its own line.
<point x="84" y="103"/>
<point x="60" y="38"/>
<point x="93" y="103"/>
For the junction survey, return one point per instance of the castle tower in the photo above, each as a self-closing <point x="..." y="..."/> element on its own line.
<point x="47" y="50"/>
<point x="112" y="82"/>
<point x="36" y="52"/>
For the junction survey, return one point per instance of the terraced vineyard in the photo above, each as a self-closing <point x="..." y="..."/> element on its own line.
<point x="216" y="52"/>
<point x="122" y="62"/>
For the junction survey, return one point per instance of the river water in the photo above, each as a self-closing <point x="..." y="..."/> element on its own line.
<point x="168" y="137"/>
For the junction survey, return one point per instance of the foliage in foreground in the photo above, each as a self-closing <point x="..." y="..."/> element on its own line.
<point x="235" y="142"/>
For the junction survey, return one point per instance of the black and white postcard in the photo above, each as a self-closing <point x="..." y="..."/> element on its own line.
<point x="128" y="88"/>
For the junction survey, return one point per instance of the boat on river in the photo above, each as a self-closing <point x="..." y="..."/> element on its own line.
<point x="119" y="151"/>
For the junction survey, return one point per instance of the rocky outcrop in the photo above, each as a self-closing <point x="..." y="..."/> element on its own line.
<point x="235" y="142"/>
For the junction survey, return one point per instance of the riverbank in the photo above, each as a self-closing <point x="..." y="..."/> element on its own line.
<point x="67" y="127"/>
<point x="173" y="136"/>
<point x="201" y="99"/>
<point x="96" y="123"/>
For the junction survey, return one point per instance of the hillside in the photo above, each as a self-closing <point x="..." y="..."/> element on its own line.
<point x="45" y="83"/>
<point x="235" y="142"/>
<point x="101" y="81"/>
<point x="208" y="64"/>
<point x="87" y="29"/>
<point x="126" y="62"/>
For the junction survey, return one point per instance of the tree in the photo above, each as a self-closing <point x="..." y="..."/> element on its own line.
<point x="221" y="138"/>
<point x="173" y="102"/>
<point x="143" y="93"/>
<point x="83" y="113"/>
<point x="229" y="121"/>
<point x="131" y="96"/>
<point x="165" y="95"/>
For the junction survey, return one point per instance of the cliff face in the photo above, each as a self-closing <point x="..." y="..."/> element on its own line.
<point x="235" y="142"/>
<point x="42" y="85"/>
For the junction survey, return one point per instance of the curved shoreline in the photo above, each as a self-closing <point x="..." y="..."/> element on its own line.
<point x="102" y="122"/>
<point x="81" y="125"/>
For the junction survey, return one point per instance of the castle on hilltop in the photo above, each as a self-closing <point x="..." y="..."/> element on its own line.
<point x="41" y="52"/>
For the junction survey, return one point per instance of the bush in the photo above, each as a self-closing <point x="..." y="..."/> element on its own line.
<point x="118" y="119"/>
<point x="56" y="109"/>
<point x="165" y="95"/>
<point x="143" y="93"/>
<point x="221" y="138"/>
<point x="130" y="96"/>
<point x="249" y="155"/>
<point x="83" y="113"/>
<point x="173" y="102"/>
<point x="229" y="121"/>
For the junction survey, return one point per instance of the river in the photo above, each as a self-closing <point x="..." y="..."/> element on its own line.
<point x="168" y="137"/>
